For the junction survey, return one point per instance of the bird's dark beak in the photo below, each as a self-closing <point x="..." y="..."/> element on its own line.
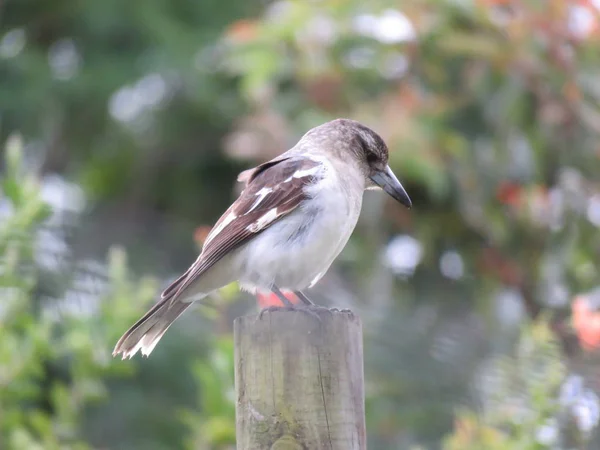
<point x="390" y="184"/>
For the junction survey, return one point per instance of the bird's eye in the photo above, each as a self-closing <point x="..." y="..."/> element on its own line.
<point x="372" y="158"/>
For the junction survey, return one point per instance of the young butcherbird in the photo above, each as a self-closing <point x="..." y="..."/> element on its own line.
<point x="292" y="219"/>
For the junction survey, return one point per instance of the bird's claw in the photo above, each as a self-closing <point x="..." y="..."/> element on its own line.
<point x="268" y="309"/>
<point x="344" y="310"/>
<point x="308" y="310"/>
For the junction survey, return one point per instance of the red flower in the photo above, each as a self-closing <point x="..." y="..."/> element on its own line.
<point x="586" y="323"/>
<point x="242" y="31"/>
<point x="510" y="194"/>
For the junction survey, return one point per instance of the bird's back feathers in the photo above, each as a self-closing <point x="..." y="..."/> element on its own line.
<point x="273" y="190"/>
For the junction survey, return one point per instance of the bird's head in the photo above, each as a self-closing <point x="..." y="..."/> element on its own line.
<point x="354" y="143"/>
<point x="373" y="155"/>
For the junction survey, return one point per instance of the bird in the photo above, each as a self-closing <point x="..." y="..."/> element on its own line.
<point x="293" y="217"/>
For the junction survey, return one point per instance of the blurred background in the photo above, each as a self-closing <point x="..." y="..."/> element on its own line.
<point x="124" y="124"/>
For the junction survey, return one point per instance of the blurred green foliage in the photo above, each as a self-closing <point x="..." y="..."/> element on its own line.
<point x="214" y="426"/>
<point x="55" y="356"/>
<point x="490" y="110"/>
<point x="522" y="404"/>
<point x="53" y="363"/>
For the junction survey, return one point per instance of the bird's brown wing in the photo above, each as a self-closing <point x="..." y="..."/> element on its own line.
<point x="249" y="175"/>
<point x="273" y="190"/>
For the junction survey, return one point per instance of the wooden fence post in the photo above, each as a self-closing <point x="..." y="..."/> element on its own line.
<point x="299" y="381"/>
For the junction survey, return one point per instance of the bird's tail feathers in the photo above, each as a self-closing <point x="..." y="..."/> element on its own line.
<point x="146" y="332"/>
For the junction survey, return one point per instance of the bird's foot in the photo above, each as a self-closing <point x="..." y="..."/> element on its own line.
<point x="269" y="309"/>
<point x="308" y="310"/>
<point x="344" y="310"/>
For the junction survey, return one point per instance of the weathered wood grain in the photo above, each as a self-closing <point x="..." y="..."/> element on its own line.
<point x="299" y="381"/>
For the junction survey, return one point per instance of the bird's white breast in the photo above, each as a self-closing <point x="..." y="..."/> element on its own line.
<point x="296" y="251"/>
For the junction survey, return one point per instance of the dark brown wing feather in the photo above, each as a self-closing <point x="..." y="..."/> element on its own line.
<point x="249" y="175"/>
<point x="285" y="193"/>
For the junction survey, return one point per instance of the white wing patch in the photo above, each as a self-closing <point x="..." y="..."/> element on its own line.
<point x="216" y="230"/>
<point x="261" y="196"/>
<point x="263" y="220"/>
<point x="303" y="173"/>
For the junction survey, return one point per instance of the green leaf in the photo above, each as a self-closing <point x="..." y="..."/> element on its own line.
<point x="12" y="190"/>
